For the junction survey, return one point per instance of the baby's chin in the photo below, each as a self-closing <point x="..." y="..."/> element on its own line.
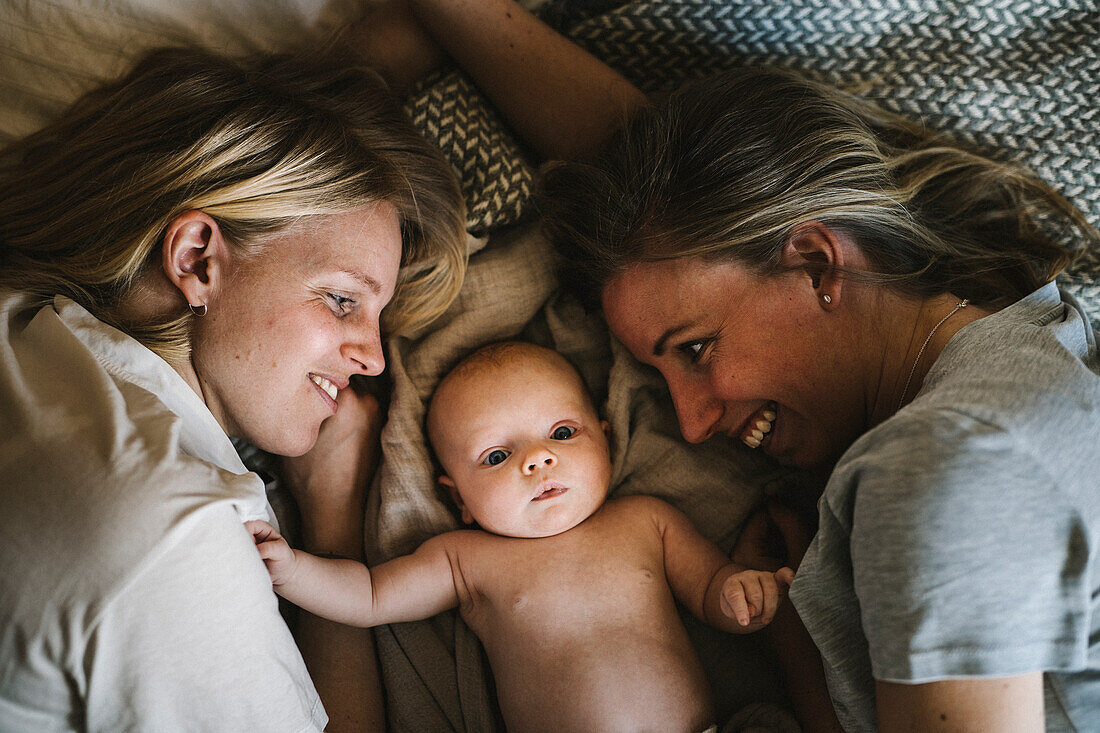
<point x="538" y="530"/>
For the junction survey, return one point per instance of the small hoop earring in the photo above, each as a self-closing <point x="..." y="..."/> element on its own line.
<point x="826" y="298"/>
<point x="198" y="310"/>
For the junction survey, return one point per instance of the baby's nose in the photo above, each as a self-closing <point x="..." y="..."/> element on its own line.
<point x="543" y="458"/>
<point x="548" y="460"/>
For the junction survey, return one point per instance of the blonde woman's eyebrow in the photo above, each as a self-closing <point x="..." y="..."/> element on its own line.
<point x="373" y="285"/>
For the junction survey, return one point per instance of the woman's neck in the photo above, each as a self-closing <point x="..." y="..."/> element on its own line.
<point x="148" y="301"/>
<point x="920" y="331"/>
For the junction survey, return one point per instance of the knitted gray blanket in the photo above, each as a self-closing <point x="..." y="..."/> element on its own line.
<point x="1018" y="79"/>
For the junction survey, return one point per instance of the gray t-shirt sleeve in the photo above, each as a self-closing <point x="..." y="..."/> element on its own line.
<point x="967" y="561"/>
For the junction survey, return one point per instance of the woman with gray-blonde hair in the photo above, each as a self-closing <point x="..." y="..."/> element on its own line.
<point x="200" y="250"/>
<point x="838" y="288"/>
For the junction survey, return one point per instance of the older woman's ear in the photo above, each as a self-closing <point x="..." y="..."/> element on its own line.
<point x="819" y="250"/>
<point x="195" y="258"/>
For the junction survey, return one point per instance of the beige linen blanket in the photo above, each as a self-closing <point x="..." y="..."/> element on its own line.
<point x="435" y="673"/>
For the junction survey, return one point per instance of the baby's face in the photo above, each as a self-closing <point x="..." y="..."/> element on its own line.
<point x="522" y="446"/>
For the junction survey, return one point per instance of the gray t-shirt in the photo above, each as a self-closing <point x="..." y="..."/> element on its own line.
<point x="960" y="537"/>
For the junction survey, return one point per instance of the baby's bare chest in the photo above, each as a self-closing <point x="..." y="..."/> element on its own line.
<point x="552" y="587"/>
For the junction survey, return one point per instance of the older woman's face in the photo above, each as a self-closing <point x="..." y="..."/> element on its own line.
<point x="743" y="353"/>
<point x="290" y="325"/>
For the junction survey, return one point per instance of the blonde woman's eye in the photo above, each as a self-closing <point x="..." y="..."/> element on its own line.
<point x="340" y="303"/>
<point x="563" y="432"/>
<point x="495" y="457"/>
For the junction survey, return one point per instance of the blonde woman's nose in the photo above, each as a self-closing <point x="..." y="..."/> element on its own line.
<point x="366" y="352"/>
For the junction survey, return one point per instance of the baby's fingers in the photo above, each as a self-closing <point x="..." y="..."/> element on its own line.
<point x="734" y="603"/>
<point x="261" y="531"/>
<point x="773" y="594"/>
<point x="742" y="598"/>
<point x="270" y="552"/>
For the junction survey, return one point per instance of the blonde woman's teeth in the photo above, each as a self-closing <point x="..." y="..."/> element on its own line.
<point x="324" y="384"/>
<point x="760" y="424"/>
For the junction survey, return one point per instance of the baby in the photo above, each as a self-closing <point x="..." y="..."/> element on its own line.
<point x="571" y="593"/>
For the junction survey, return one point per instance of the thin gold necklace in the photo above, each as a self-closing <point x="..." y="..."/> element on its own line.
<point x="962" y="304"/>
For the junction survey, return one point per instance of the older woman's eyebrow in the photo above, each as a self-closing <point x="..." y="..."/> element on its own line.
<point x="662" y="343"/>
<point x="373" y="285"/>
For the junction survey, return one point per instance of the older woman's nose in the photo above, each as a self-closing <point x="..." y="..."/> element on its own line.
<point x="698" y="414"/>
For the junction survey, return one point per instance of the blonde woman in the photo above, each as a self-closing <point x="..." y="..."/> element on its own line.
<point x="198" y="251"/>
<point x="839" y="288"/>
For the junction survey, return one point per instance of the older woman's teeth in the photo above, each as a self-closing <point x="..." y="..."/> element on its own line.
<point x="326" y="385"/>
<point x="759" y="425"/>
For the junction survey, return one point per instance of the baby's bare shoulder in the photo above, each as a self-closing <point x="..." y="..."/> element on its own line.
<point x="641" y="506"/>
<point x="643" y="513"/>
<point x="460" y="541"/>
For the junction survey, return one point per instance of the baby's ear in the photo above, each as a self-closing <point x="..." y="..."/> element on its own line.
<point x="449" y="485"/>
<point x="606" y="427"/>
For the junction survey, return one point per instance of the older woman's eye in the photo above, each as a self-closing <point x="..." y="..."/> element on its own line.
<point x="693" y="349"/>
<point x="563" y="432"/>
<point x="495" y="457"/>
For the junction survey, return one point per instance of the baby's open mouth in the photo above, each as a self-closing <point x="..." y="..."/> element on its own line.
<point x="759" y="426"/>
<point x="549" y="490"/>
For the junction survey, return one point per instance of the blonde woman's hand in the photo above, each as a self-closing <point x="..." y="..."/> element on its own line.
<point x="329" y="483"/>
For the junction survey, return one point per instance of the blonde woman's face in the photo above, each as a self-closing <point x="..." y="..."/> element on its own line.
<point x="290" y="325"/>
<point x="741" y="353"/>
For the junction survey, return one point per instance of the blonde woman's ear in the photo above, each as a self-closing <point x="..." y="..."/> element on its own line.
<point x="447" y="483"/>
<point x="195" y="258"/>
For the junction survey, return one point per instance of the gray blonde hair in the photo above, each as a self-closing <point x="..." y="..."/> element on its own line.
<point x="256" y="143"/>
<point x="727" y="167"/>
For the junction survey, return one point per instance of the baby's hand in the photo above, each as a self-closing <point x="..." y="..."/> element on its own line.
<point x="277" y="555"/>
<point x="751" y="597"/>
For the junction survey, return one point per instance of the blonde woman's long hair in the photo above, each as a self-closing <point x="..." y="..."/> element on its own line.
<point x="727" y="167"/>
<point x="256" y="143"/>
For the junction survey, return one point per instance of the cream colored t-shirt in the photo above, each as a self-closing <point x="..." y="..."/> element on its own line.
<point x="131" y="596"/>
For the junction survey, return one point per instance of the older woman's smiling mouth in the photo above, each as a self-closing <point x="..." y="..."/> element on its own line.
<point x="759" y="426"/>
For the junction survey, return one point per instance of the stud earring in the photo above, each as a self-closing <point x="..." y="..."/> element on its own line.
<point x="826" y="298"/>
<point x="198" y="310"/>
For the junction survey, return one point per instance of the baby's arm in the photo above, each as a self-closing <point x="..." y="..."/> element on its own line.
<point x="726" y="595"/>
<point x="406" y="588"/>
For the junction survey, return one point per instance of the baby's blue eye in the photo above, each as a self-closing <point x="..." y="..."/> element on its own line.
<point x="496" y="457"/>
<point x="563" y="432"/>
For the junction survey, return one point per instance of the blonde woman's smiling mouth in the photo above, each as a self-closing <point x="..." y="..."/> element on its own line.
<point x="326" y="387"/>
